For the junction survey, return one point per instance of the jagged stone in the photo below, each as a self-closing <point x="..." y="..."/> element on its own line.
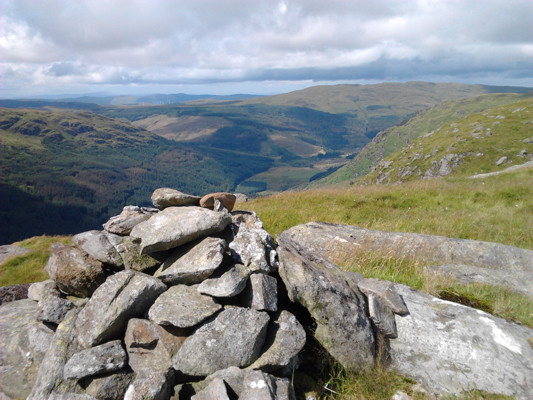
<point x="166" y="197"/>
<point x="111" y="386"/>
<point x="38" y="290"/>
<point x="253" y="248"/>
<point x="450" y="348"/>
<point x="228" y="284"/>
<point x="233" y="338"/>
<point x="107" y="357"/>
<point x="53" y="308"/>
<point x="233" y="376"/>
<point x="261" y="293"/>
<point x="246" y="218"/>
<point x="342" y="326"/>
<point x="23" y="344"/>
<point x="192" y="263"/>
<point x="129" y="217"/>
<point x="63" y="345"/>
<point x="240" y="198"/>
<point x="156" y="385"/>
<point x="125" y="295"/>
<point x="386" y="292"/>
<point x="382" y="316"/>
<point x="182" y="306"/>
<point x="226" y="199"/>
<point x="175" y="226"/>
<point x="150" y="346"/>
<point x="216" y="390"/>
<point x="74" y="271"/>
<point x="285" y="339"/>
<point x="258" y="385"/>
<point x="130" y="251"/>
<point x="100" y="245"/>
<point x="13" y="292"/>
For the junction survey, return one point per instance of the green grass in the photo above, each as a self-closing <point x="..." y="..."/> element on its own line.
<point x="29" y="267"/>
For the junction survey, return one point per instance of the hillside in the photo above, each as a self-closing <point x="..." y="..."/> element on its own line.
<point x="63" y="171"/>
<point x="481" y="143"/>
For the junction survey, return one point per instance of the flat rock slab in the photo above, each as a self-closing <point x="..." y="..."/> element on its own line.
<point x="130" y="216"/>
<point x="386" y="292"/>
<point x="451" y="348"/>
<point x="166" y="197"/>
<point x="175" y="226"/>
<point x="192" y="263"/>
<point x="229" y="284"/>
<point x="182" y="306"/>
<point x="342" y="325"/>
<point x="125" y="295"/>
<point x="332" y="241"/>
<point x="100" y="245"/>
<point x="233" y="338"/>
<point x="108" y="357"/>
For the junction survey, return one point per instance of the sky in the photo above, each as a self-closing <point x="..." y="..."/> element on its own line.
<point x="53" y="47"/>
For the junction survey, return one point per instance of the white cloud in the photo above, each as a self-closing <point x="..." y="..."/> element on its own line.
<point x="87" y="43"/>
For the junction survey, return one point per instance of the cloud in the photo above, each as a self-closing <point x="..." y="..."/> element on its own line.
<point x="137" y="42"/>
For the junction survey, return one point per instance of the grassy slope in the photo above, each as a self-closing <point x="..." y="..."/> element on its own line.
<point x="393" y="139"/>
<point x="477" y="141"/>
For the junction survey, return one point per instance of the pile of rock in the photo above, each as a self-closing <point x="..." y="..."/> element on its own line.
<point x="191" y="300"/>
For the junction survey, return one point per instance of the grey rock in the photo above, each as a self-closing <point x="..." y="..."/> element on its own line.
<point x="111" y="386"/>
<point x="53" y="309"/>
<point x="399" y="395"/>
<point x="38" y="290"/>
<point x="192" y="263"/>
<point x="175" y="226"/>
<point x="262" y="293"/>
<point x="285" y="339"/>
<point x="23" y="343"/>
<point x="382" y="316"/>
<point x="342" y="325"/>
<point x="252" y="247"/>
<point x="332" y="242"/>
<point x="522" y="153"/>
<point x="233" y="376"/>
<point x="151" y="347"/>
<point x="518" y="281"/>
<point x="166" y="197"/>
<point x="13" y="292"/>
<point x="258" y="385"/>
<point x="70" y="396"/>
<point x="125" y="295"/>
<point x="246" y="218"/>
<point x="229" y="284"/>
<point x="50" y="377"/>
<point x="182" y="306"/>
<point x="129" y="217"/>
<point x="216" y="390"/>
<point x="130" y="252"/>
<point x="501" y="160"/>
<point x="386" y="292"/>
<point x="74" y="271"/>
<point x="100" y="245"/>
<point x="240" y="198"/>
<point x="10" y="250"/>
<point x="451" y="348"/>
<point x="226" y="200"/>
<point x="108" y="357"/>
<point x="155" y="385"/>
<point x="233" y="338"/>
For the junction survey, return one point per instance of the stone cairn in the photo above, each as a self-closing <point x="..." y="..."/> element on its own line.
<point x="191" y="300"/>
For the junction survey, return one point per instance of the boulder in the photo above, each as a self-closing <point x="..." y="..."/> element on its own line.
<point x="215" y="390"/>
<point x="253" y="248"/>
<point x="151" y="385"/>
<point x="130" y="252"/>
<point x="14" y="292"/>
<point x="129" y="217"/>
<point x="175" y="226"/>
<point x="233" y="338"/>
<point x="150" y="346"/>
<point x="285" y="339"/>
<point x="258" y="385"/>
<point x="166" y="197"/>
<point x="100" y="245"/>
<point x="125" y="295"/>
<point x="227" y="200"/>
<point x="111" y="386"/>
<point x="226" y="284"/>
<point x="108" y="357"/>
<point x="23" y="344"/>
<point x="63" y="345"/>
<point x="53" y="308"/>
<point x="38" y="290"/>
<point x="333" y="241"/>
<point x="246" y="218"/>
<point x="261" y="293"/>
<point x="343" y="328"/>
<point x="192" y="263"/>
<point x="74" y="271"/>
<point x="240" y="198"/>
<point x="182" y="306"/>
<point x="451" y="348"/>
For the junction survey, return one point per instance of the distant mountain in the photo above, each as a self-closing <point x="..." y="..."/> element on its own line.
<point x="479" y="143"/>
